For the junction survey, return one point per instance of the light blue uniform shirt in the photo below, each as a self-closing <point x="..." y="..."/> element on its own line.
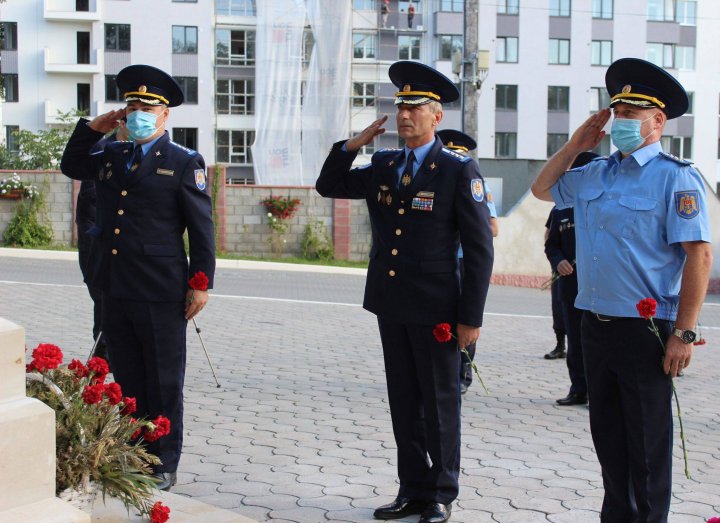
<point x="145" y="149"/>
<point x="420" y="155"/>
<point x="630" y="216"/>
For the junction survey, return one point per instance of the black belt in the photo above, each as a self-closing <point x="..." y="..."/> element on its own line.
<point x="605" y="317"/>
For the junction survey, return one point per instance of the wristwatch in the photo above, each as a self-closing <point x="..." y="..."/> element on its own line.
<point x="687" y="336"/>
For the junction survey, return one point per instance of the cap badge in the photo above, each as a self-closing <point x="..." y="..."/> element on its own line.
<point x="142" y="89"/>
<point x="406" y="88"/>
<point x="626" y="89"/>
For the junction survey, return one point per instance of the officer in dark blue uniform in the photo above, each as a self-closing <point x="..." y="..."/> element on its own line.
<point x="422" y="200"/>
<point x="149" y="192"/>
<point x="641" y="228"/>
<point x="462" y="143"/>
<point x="560" y="251"/>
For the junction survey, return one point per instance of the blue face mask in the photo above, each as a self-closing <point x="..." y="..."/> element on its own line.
<point x="625" y="134"/>
<point x="141" y="125"/>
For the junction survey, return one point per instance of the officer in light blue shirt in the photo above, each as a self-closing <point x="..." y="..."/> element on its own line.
<point x="641" y="226"/>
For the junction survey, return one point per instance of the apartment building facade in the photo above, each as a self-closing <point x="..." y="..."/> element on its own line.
<point x="546" y="68"/>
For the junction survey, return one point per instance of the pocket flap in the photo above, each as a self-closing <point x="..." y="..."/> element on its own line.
<point x="637" y="203"/>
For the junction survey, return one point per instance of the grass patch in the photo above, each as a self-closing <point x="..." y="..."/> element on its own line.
<point x="297" y="261"/>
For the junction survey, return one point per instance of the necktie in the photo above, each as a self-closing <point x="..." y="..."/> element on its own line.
<point x="136" y="159"/>
<point x="407" y="177"/>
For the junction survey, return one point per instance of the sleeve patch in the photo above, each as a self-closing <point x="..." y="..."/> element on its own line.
<point x="476" y="189"/>
<point x="200" y="179"/>
<point x="687" y="204"/>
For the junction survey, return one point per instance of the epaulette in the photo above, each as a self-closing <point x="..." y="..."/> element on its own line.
<point x="457" y="156"/>
<point x="389" y="150"/>
<point x="191" y="152"/>
<point x="675" y="158"/>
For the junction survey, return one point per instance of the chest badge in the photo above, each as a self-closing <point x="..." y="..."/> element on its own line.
<point x="687" y="204"/>
<point x="406" y="179"/>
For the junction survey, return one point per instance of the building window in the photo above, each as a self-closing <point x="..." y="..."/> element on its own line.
<point x="558" y="98"/>
<point x="661" y="10"/>
<point x="603" y="148"/>
<point x="364" y="5"/>
<point x="680" y="146"/>
<point x="117" y="37"/>
<point x="363" y="94"/>
<point x="235" y="7"/>
<point x="554" y="142"/>
<point x="506" y="49"/>
<point x="455" y="6"/>
<point x="112" y="91"/>
<point x="10" y="87"/>
<point x="602" y="9"/>
<point x="506" y="97"/>
<point x="559" y="51"/>
<point x="448" y="45"/>
<point x="599" y="99"/>
<point x="508" y="7"/>
<point x="185" y="2"/>
<point x="662" y="55"/>
<point x="184" y="39"/>
<point x="234" y="147"/>
<point x="686" y="12"/>
<point x="691" y="103"/>
<point x="186" y="136"/>
<point x="83" y="98"/>
<point x="685" y="57"/>
<point x="601" y="52"/>
<point x="189" y="86"/>
<point x="409" y="47"/>
<point x="235" y="96"/>
<point x="505" y="145"/>
<point x="364" y="46"/>
<point x="559" y="7"/>
<point x="8" y="36"/>
<point x="11" y="139"/>
<point x="234" y="47"/>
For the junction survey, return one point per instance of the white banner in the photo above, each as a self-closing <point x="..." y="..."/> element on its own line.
<point x="276" y="152"/>
<point x="326" y="108"/>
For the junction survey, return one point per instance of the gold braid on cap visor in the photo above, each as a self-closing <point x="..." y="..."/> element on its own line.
<point x="453" y="147"/>
<point x="625" y="96"/>
<point x="140" y="95"/>
<point x="425" y="94"/>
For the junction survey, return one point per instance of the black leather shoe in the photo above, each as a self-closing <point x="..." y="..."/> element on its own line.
<point x="572" y="399"/>
<point x="463" y="387"/>
<point x="165" y="480"/>
<point x="555" y="354"/>
<point x="436" y="513"/>
<point x="400" y="508"/>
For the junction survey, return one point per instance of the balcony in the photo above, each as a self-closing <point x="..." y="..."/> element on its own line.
<point x="54" y="64"/>
<point x="52" y="108"/>
<point x="65" y="11"/>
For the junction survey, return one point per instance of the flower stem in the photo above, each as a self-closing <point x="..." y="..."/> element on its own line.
<point x="477" y="372"/>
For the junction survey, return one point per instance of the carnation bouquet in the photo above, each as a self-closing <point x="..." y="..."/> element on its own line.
<point x="98" y="442"/>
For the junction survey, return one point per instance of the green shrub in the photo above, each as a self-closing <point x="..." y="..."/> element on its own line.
<point x="316" y="243"/>
<point x="28" y="227"/>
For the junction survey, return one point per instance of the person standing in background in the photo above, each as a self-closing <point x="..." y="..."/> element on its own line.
<point x="410" y="13"/>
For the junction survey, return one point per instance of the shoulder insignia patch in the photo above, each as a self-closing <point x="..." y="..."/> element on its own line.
<point x="457" y="156"/>
<point x="200" y="179"/>
<point x="191" y="152"/>
<point x="675" y="158"/>
<point x="687" y="204"/>
<point x="476" y="189"/>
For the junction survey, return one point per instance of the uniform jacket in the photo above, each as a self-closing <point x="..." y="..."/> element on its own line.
<point x="560" y="246"/>
<point x="141" y="217"/>
<point x="86" y="199"/>
<point x="413" y="274"/>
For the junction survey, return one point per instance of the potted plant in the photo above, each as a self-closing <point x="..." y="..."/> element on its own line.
<point x="14" y="188"/>
<point x="99" y="445"/>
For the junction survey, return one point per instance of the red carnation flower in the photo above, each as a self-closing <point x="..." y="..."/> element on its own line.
<point x="702" y="341"/>
<point x="46" y="356"/>
<point x="93" y="394"/>
<point x="113" y="393"/>
<point x="129" y="406"/>
<point x="647" y="308"/>
<point x="81" y="371"/>
<point x="99" y="368"/>
<point x="161" y="427"/>
<point x="199" y="282"/>
<point x="716" y="519"/>
<point x="159" y="513"/>
<point x="442" y="332"/>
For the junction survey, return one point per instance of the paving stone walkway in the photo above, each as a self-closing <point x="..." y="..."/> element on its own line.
<point x="299" y="430"/>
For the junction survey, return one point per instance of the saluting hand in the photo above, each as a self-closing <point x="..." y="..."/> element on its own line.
<point x="367" y="135"/>
<point x="195" y="302"/>
<point x="107" y="122"/>
<point x="590" y="133"/>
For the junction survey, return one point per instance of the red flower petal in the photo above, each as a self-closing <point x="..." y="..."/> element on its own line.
<point x="159" y="513"/>
<point x="442" y="332"/>
<point x="647" y="308"/>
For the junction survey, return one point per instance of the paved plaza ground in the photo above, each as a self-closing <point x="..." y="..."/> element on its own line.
<point x="299" y="430"/>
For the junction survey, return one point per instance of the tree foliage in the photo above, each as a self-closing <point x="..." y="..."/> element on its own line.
<point x="39" y="150"/>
